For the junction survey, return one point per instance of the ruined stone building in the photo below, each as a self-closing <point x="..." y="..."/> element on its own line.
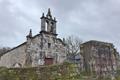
<point x="99" y="57"/>
<point x="42" y="49"/>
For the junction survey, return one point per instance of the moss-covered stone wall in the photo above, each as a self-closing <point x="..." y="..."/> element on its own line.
<point x="65" y="71"/>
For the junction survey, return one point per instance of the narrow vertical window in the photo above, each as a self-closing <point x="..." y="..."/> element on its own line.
<point x="49" y="45"/>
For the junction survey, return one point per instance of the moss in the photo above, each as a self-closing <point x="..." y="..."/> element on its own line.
<point x="65" y="71"/>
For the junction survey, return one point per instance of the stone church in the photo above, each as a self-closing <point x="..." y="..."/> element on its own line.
<point x="42" y="49"/>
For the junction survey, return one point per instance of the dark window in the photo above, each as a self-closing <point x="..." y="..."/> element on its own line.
<point x="49" y="45"/>
<point x="51" y="26"/>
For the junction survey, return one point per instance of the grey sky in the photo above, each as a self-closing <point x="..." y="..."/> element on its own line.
<point x="88" y="19"/>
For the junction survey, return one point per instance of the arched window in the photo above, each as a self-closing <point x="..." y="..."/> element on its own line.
<point x="52" y="27"/>
<point x="46" y="25"/>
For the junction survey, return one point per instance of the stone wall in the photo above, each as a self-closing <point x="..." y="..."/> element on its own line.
<point x="51" y="72"/>
<point x="100" y="57"/>
<point x="33" y="52"/>
<point x="14" y="57"/>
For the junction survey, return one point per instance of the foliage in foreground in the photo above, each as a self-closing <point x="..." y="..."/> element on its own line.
<point x="65" y="71"/>
<point x="52" y="72"/>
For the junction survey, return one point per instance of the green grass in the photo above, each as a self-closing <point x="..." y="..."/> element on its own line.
<point x="65" y="71"/>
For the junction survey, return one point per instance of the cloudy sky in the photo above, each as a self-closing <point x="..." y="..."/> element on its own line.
<point x="88" y="19"/>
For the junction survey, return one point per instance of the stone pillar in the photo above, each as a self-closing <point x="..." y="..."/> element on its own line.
<point x="43" y="23"/>
<point x="48" y="26"/>
<point x="54" y="30"/>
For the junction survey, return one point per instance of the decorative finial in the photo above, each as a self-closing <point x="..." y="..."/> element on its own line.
<point x="49" y="13"/>
<point x="30" y="33"/>
<point x="63" y="39"/>
<point x="43" y="15"/>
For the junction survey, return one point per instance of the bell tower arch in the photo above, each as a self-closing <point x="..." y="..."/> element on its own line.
<point x="48" y="24"/>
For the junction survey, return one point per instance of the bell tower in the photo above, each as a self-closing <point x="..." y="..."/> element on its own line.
<point x="48" y="24"/>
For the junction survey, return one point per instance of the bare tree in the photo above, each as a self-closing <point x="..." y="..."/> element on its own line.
<point x="3" y="50"/>
<point x="73" y="46"/>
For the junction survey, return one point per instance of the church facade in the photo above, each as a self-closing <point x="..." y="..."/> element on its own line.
<point x="42" y="49"/>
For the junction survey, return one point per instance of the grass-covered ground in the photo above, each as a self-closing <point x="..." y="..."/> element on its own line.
<point x="65" y="71"/>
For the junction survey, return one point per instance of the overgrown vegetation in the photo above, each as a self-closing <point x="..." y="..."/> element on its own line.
<point x="65" y="71"/>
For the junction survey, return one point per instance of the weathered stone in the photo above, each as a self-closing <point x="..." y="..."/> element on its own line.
<point x="36" y="49"/>
<point x="99" y="57"/>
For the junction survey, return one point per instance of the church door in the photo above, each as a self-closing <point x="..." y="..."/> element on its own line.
<point x="48" y="61"/>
